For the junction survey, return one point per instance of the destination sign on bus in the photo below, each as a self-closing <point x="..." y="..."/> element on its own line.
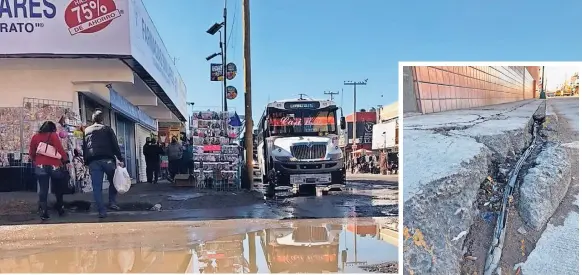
<point x="297" y="121"/>
<point x="302" y="105"/>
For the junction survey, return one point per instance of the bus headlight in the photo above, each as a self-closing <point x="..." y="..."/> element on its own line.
<point x="281" y="154"/>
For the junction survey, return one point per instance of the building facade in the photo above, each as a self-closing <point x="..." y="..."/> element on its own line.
<point x="74" y="64"/>
<point x="431" y="89"/>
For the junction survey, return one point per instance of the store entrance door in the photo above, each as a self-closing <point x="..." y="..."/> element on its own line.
<point x="126" y="139"/>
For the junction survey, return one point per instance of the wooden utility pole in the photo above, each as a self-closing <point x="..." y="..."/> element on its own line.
<point x="331" y="94"/>
<point x="247" y="76"/>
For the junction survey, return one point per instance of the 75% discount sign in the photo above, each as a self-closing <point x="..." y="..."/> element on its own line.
<point x="90" y="16"/>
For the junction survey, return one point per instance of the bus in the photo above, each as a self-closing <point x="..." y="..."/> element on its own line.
<point x="298" y="148"/>
<point x="303" y="249"/>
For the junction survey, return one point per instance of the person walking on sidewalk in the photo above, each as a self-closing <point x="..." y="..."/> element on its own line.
<point x="47" y="154"/>
<point x="175" y="151"/>
<point x="152" y="152"/>
<point x="188" y="158"/>
<point x="101" y="150"/>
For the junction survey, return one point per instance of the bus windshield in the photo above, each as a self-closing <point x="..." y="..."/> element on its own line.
<point x="302" y="122"/>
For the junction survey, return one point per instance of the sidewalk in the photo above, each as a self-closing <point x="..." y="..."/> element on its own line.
<point x="447" y="156"/>
<point x="22" y="206"/>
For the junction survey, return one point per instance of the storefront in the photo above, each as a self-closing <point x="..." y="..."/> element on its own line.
<point x="88" y="104"/>
<point x="112" y="65"/>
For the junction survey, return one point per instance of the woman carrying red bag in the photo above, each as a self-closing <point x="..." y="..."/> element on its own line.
<point x="48" y="156"/>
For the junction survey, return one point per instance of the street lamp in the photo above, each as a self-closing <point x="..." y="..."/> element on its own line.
<point x="212" y="56"/>
<point x="216" y="27"/>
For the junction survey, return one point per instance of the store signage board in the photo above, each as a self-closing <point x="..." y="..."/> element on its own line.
<point x="148" y="49"/>
<point x="65" y="27"/>
<point x="123" y="106"/>
<point x="147" y="121"/>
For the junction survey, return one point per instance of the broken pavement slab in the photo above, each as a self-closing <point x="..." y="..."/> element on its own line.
<point x="544" y="186"/>
<point x="447" y="156"/>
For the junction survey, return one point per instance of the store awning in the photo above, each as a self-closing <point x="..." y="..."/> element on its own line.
<point x="129" y="60"/>
<point x="154" y="86"/>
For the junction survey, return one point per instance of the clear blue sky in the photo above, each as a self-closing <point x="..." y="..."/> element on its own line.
<point x="309" y="46"/>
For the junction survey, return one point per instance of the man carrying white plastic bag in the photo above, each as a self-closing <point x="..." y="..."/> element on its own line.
<point x="121" y="180"/>
<point x="102" y="154"/>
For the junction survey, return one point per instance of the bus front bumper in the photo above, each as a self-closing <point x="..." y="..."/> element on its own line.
<point x="325" y="175"/>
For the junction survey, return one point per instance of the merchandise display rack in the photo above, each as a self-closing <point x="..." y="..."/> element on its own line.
<point x="19" y="124"/>
<point x="217" y="160"/>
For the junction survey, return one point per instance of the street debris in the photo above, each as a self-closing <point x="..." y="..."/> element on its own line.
<point x="390" y="267"/>
<point x="489" y="217"/>
<point x="156" y="207"/>
<point x="470" y="258"/>
<point x="184" y="197"/>
<point x="458" y="237"/>
<point x="522" y="230"/>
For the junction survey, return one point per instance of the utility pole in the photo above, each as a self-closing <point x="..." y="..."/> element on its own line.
<point x="224" y="59"/>
<point x="355" y="84"/>
<point x="247" y="76"/>
<point x="543" y="77"/>
<point x="331" y="94"/>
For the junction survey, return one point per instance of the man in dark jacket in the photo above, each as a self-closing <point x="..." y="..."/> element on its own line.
<point x="101" y="151"/>
<point x="152" y="152"/>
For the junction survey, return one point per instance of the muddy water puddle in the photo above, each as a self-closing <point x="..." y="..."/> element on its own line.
<point x="316" y="246"/>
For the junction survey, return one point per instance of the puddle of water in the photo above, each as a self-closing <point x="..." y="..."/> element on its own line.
<point x="292" y="247"/>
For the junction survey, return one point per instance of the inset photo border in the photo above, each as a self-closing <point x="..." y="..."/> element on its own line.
<point x="489" y="167"/>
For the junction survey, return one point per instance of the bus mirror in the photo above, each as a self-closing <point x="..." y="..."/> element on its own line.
<point x="343" y="123"/>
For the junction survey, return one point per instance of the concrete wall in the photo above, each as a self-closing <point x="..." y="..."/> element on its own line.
<point x="443" y="88"/>
<point x="410" y="104"/>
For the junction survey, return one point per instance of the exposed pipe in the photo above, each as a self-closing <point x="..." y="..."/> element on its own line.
<point x="494" y="256"/>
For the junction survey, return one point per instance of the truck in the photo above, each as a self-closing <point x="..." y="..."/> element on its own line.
<point x="298" y="148"/>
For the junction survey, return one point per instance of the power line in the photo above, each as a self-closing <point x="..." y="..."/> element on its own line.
<point x="232" y="24"/>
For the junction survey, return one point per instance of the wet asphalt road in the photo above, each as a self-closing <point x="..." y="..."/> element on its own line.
<point x="197" y="240"/>
<point x="365" y="196"/>
<point x="198" y="246"/>
<point x="371" y="197"/>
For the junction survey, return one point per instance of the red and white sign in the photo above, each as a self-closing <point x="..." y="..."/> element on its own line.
<point x="90" y="16"/>
<point x="65" y="27"/>
<point x="297" y="121"/>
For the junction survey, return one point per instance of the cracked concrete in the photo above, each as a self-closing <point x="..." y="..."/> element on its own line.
<point x="447" y="156"/>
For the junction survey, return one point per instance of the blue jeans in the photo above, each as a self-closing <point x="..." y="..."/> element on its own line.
<point x="43" y="175"/>
<point x="97" y="169"/>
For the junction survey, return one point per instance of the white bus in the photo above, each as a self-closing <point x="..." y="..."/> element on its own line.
<point x="303" y="249"/>
<point x="298" y="147"/>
